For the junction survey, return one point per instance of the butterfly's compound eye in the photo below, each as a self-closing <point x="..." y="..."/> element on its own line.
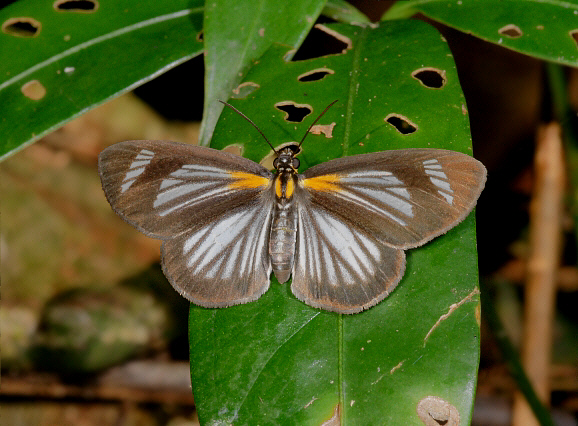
<point x="295" y="163"/>
<point x="276" y="163"/>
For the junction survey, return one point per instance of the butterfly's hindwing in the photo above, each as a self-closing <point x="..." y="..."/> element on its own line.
<point x="338" y="266"/>
<point x="403" y="198"/>
<point x="225" y="262"/>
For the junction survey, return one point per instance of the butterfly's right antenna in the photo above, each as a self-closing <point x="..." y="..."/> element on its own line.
<point x="316" y="120"/>
<point x="249" y="120"/>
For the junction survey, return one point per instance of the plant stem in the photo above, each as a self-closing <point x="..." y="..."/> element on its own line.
<point x="513" y="359"/>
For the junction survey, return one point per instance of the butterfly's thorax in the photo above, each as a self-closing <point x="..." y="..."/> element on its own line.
<point x="284" y="225"/>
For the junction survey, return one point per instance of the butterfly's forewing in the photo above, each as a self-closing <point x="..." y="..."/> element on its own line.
<point x="164" y="188"/>
<point x="359" y="213"/>
<point x="403" y="197"/>
<point x="211" y="208"/>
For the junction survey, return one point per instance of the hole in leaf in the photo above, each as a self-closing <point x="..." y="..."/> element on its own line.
<point x="322" y="41"/>
<point x="22" y="27"/>
<point x="79" y="6"/>
<point x="294" y="112"/>
<point x="33" y="90"/>
<point x="401" y="123"/>
<point x="326" y="129"/>
<point x="511" y="30"/>
<point x="574" y="35"/>
<point x="201" y="36"/>
<point x="430" y="77"/>
<point x="434" y="411"/>
<point x="244" y="89"/>
<point x="235" y="149"/>
<point x="267" y="160"/>
<point x="293" y="145"/>
<point x="315" y="75"/>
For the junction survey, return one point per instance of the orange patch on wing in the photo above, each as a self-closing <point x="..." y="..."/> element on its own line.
<point x="322" y="183"/>
<point x="247" y="181"/>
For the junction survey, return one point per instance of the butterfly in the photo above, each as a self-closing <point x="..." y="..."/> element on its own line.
<point x="339" y="229"/>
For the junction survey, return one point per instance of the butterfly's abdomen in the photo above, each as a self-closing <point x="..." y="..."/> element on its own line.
<point x="282" y="239"/>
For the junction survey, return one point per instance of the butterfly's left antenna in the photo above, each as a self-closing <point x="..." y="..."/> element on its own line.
<point x="316" y="120"/>
<point x="249" y="120"/>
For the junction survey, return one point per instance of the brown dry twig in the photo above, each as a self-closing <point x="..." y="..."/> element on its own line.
<point x="545" y="240"/>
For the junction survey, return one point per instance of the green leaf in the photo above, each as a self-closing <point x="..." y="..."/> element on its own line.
<point x="236" y="34"/>
<point x="279" y="361"/>
<point x="341" y="11"/>
<point x="78" y="60"/>
<point x="545" y="30"/>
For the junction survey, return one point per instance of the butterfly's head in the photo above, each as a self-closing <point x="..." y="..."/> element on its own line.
<point x="286" y="159"/>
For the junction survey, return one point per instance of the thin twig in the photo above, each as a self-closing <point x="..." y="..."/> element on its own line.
<point x="545" y="240"/>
